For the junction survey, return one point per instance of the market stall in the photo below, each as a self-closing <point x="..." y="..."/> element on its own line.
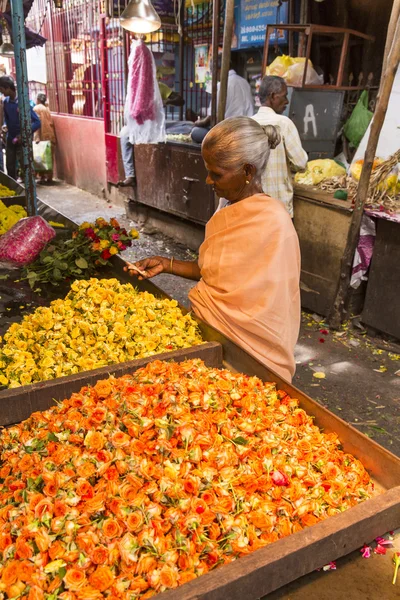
<point x="289" y="557"/>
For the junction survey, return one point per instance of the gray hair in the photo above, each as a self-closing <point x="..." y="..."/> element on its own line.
<point x="270" y="84"/>
<point x="240" y="141"/>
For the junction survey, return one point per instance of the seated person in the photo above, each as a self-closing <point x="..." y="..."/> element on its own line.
<point x="239" y="103"/>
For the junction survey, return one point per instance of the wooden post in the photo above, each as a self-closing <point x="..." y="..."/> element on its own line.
<point x="394" y="17"/>
<point x="226" y="58"/>
<point x="214" y="77"/>
<point x="388" y="76"/>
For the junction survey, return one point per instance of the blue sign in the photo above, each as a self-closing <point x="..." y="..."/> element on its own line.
<point x="252" y="18"/>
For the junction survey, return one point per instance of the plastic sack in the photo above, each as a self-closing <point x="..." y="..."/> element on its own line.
<point x="294" y="74"/>
<point x="356" y="167"/>
<point x="24" y="242"/>
<point x="319" y="170"/>
<point x="144" y="112"/>
<point x="42" y="157"/>
<point x="279" y="66"/>
<point x="357" y="124"/>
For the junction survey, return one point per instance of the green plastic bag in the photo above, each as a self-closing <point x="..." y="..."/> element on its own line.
<point x="42" y="157"/>
<point x="357" y="124"/>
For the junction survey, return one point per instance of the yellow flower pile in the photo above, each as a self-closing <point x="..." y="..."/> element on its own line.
<point x="9" y="216"/>
<point x="5" y="192"/>
<point x="100" y="322"/>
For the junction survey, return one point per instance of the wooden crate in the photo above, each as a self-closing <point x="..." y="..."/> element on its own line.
<point x="18" y="404"/>
<point x="269" y="568"/>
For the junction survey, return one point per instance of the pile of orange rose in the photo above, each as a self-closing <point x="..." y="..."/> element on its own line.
<point x="145" y="482"/>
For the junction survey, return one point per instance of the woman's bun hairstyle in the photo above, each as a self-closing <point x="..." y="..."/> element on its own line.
<point x="273" y="135"/>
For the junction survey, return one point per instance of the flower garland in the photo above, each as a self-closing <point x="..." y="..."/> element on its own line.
<point x="100" y="322"/>
<point x="145" y="482"/>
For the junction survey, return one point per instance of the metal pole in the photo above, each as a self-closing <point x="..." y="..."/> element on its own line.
<point x="226" y="58"/>
<point x="18" y="29"/>
<point x="214" y="78"/>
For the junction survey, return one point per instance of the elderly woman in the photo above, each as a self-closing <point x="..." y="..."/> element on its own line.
<point x="249" y="263"/>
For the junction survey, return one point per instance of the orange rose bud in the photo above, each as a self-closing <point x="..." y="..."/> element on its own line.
<point x="102" y="578"/>
<point x="99" y="555"/>
<point x="75" y="579"/>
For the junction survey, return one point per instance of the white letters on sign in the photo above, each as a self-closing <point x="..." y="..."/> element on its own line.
<point x="309" y="117"/>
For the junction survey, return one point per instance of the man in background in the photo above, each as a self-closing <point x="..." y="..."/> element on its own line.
<point x="11" y="119"/>
<point x="239" y="103"/>
<point x="289" y="155"/>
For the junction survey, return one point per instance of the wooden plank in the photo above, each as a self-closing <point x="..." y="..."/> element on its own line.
<point x="269" y="568"/>
<point x="18" y="404"/>
<point x="321" y="196"/>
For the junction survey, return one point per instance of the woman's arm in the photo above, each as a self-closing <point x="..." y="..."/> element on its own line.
<point x="161" y="264"/>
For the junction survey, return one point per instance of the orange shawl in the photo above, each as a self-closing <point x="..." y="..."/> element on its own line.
<point x="250" y="268"/>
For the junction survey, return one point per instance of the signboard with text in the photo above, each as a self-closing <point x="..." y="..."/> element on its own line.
<point x="252" y="18"/>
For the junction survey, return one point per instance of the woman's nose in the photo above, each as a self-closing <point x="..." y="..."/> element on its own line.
<point x="209" y="181"/>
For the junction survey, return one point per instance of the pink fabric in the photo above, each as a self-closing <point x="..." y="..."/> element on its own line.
<point x="250" y="291"/>
<point x="141" y="80"/>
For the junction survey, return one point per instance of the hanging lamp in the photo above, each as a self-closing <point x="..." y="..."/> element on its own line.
<point x="140" y="16"/>
<point x="7" y="50"/>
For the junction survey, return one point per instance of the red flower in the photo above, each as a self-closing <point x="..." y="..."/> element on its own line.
<point x="106" y="254"/>
<point x="324" y="331"/>
<point x="321" y="341"/>
<point x="279" y="478"/>
<point x="90" y="233"/>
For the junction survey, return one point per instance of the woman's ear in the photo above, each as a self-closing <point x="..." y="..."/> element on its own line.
<point x="249" y="171"/>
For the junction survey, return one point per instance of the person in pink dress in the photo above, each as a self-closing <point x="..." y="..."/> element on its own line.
<point x="249" y="263"/>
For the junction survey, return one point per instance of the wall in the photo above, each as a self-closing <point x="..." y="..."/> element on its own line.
<point x="80" y="153"/>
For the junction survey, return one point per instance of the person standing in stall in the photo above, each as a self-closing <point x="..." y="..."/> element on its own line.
<point x="289" y="155"/>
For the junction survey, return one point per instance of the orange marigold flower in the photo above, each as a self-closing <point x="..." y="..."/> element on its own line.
<point x="146" y="564"/>
<point x="119" y="439"/>
<point x="60" y="508"/>
<point x="36" y="593"/>
<point x="103" y="388"/>
<point x="99" y="555"/>
<point x="10" y="573"/>
<point x="134" y="520"/>
<point x="23" y="549"/>
<point x="84" y="490"/>
<point x="186" y="577"/>
<point x="102" y="578"/>
<point x="86" y="470"/>
<point x="111" y="528"/>
<point x="169" y="577"/>
<point x="75" y="579"/>
<point x="56" y="550"/>
<point x="25" y="571"/>
<point x="95" y="440"/>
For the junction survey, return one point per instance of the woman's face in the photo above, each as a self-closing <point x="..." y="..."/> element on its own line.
<point x="227" y="184"/>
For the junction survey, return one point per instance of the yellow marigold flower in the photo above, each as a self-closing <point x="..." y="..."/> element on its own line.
<point x="85" y="225"/>
<point x="134" y="234"/>
<point x="104" y="244"/>
<point x="100" y="322"/>
<point x="113" y="250"/>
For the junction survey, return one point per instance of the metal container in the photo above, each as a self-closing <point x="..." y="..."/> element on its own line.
<point x="19" y="190"/>
<point x="269" y="568"/>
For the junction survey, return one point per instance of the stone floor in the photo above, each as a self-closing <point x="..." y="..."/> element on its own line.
<point x="359" y="381"/>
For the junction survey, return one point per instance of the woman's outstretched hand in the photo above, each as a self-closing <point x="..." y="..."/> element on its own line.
<point x="146" y="268"/>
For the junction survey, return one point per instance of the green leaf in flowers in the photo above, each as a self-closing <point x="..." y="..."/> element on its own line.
<point x="81" y="263"/>
<point x="57" y="274"/>
<point x="47" y="260"/>
<point x="240" y="441"/>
